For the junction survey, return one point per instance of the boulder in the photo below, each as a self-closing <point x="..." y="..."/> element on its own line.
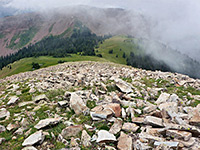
<point x="77" y="104"/>
<point x="125" y="142"/>
<point x="47" y="122"/>
<point x="104" y="136"/>
<point x="37" y="137"/>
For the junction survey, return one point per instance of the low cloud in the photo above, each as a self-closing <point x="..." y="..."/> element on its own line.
<point x="173" y="22"/>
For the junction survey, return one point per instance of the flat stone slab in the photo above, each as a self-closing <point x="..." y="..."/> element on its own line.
<point x="125" y="142"/>
<point x="163" y="98"/>
<point x="47" y="122"/>
<point x="4" y="113"/>
<point x="38" y="98"/>
<point x="182" y="135"/>
<point x="130" y="127"/>
<point x="12" y="100"/>
<point x="104" y="135"/>
<point x="37" y="137"/>
<point x="153" y="121"/>
<point x="123" y="86"/>
<point x="29" y="148"/>
<point x="170" y="144"/>
<point x="71" y="131"/>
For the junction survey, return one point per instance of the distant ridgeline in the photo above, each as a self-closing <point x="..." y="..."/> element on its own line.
<point x="82" y="41"/>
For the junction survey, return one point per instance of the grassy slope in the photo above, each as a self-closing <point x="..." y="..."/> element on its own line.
<point x="116" y="43"/>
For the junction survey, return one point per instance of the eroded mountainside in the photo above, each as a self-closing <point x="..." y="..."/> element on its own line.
<point x="89" y="105"/>
<point x="22" y="30"/>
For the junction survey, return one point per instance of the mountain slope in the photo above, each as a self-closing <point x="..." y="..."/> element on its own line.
<point x="55" y="22"/>
<point x="132" y="108"/>
<point x="125" y="50"/>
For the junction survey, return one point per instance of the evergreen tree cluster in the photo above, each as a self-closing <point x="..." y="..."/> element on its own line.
<point x="146" y="62"/>
<point x="82" y="41"/>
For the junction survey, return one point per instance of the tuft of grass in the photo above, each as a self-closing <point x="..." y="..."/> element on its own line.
<point x="102" y="125"/>
<point x="91" y="104"/>
<point x="53" y="93"/>
<point x="129" y="80"/>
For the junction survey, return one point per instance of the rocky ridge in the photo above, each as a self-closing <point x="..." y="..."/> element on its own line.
<point x="89" y="105"/>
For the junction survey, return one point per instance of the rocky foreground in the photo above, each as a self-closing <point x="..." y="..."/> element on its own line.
<point x="88" y="105"/>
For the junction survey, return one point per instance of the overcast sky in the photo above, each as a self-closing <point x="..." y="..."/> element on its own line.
<point x="177" y="22"/>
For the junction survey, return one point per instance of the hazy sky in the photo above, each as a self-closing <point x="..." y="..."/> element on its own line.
<point x="175" y="22"/>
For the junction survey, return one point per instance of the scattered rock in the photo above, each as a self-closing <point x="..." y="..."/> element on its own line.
<point x="115" y="108"/>
<point x="98" y="115"/>
<point x="130" y="127"/>
<point x="170" y="144"/>
<point x="34" y="138"/>
<point x="125" y="142"/>
<point x="153" y="121"/>
<point x="85" y="139"/>
<point x="195" y="120"/>
<point x="25" y="103"/>
<point x="77" y="104"/>
<point x="181" y="135"/>
<point x="63" y="103"/>
<point x="13" y="100"/>
<point x="104" y="136"/>
<point x="162" y="98"/>
<point x="116" y="127"/>
<point x="47" y="122"/>
<point x="29" y="148"/>
<point x="123" y="86"/>
<point x="4" y="113"/>
<point x="2" y="129"/>
<point x="39" y="98"/>
<point x="71" y="131"/>
<point x="2" y="140"/>
<point x="11" y="126"/>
